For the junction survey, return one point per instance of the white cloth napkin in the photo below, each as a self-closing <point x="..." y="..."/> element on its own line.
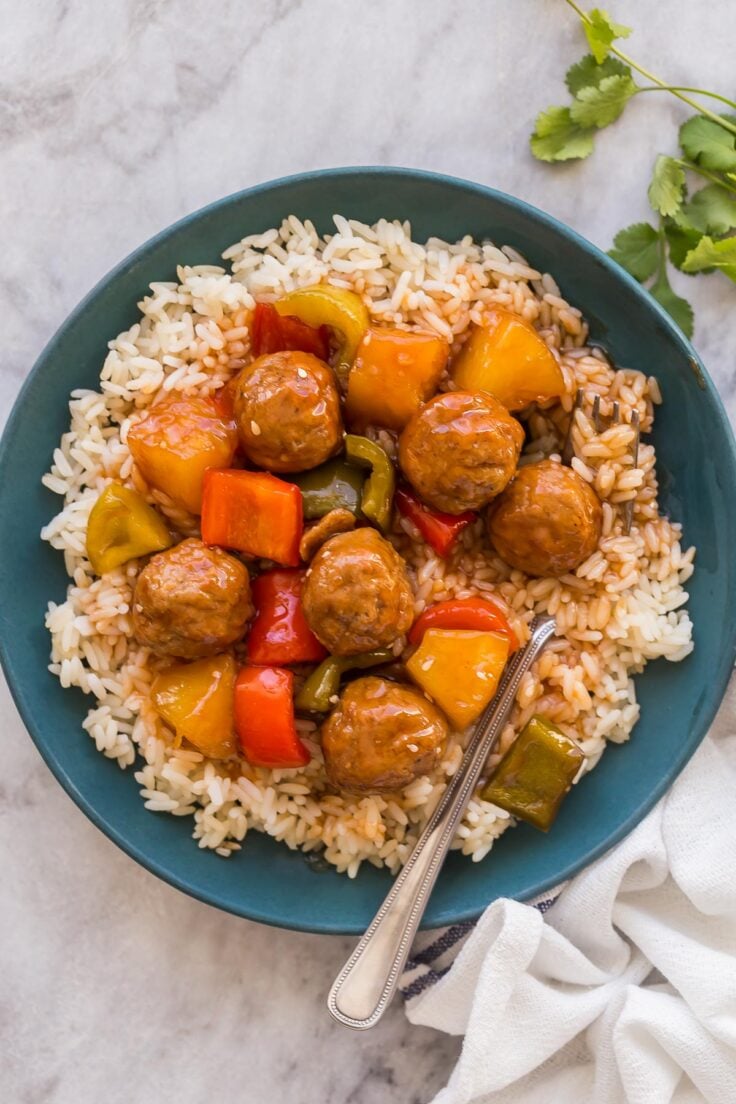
<point x="624" y="990"/>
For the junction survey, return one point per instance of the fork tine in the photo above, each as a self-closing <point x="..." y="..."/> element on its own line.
<point x="567" y="449"/>
<point x="629" y="506"/>
<point x="616" y="414"/>
<point x="597" y="414"/>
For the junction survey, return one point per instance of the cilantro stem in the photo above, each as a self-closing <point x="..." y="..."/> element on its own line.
<point x="662" y="270"/>
<point x="669" y="88"/>
<point x="652" y="77"/>
<point x="692" y="167"/>
<point x="661" y="274"/>
<point x="682" y="88"/>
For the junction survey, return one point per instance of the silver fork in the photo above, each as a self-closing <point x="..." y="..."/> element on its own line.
<point x="364" y="987"/>
<point x="600" y="424"/>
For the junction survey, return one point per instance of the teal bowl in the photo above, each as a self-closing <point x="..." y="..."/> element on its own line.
<point x="697" y="470"/>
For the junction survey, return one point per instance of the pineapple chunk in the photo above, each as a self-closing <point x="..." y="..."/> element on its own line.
<point x="459" y="669"/>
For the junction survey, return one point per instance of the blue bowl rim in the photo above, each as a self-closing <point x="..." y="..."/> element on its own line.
<point x="615" y="271"/>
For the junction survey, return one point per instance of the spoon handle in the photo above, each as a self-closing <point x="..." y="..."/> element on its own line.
<point x="364" y="987"/>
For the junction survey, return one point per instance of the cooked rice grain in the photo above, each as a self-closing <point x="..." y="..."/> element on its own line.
<point x="623" y="607"/>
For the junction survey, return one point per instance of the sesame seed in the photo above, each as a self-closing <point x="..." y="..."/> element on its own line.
<point x="427" y="664"/>
<point x="302" y="372"/>
<point x="255" y="429"/>
<point x="412" y="747"/>
<point x="334" y="699"/>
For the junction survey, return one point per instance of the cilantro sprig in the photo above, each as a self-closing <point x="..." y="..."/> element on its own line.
<point x="694" y="230"/>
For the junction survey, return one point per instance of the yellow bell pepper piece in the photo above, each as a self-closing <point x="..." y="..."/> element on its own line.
<point x="324" y="305"/>
<point x="395" y="371"/>
<point x="459" y="669"/>
<point x="507" y="357"/>
<point x="121" y="526"/>
<point x="196" y="700"/>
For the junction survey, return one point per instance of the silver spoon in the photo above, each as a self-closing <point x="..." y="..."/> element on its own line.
<point x="367" y="982"/>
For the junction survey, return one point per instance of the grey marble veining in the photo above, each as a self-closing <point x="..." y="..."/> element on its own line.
<point x="116" y="119"/>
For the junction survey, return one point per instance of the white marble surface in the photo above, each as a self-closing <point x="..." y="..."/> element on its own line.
<point x="116" y="119"/>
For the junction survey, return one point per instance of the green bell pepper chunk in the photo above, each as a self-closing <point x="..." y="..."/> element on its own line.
<point x="378" y="491"/>
<point x="324" y="682"/>
<point x="333" y="485"/>
<point x="535" y="774"/>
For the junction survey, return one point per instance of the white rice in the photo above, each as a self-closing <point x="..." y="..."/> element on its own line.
<point x="623" y="607"/>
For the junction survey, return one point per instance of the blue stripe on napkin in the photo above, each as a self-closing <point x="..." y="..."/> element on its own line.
<point x="428" y="964"/>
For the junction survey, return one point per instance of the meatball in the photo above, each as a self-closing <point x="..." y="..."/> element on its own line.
<point x="460" y="450"/>
<point x="357" y="595"/>
<point x="547" y="521"/>
<point x="287" y="408"/>
<point x="381" y="736"/>
<point x="191" y="601"/>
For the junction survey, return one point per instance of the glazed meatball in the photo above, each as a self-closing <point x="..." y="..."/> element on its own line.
<point x="460" y="450"/>
<point x="357" y="595"/>
<point x="381" y="736"/>
<point x="191" y="601"/>
<point x="547" y="521"/>
<point x="287" y="408"/>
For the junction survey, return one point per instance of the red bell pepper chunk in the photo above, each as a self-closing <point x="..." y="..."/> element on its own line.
<point x="440" y="531"/>
<point x="252" y="512"/>
<point x="264" y="718"/>
<point x="305" y="338"/>
<point x="265" y="330"/>
<point x="464" y="613"/>
<point x="280" y="634"/>
<point x="272" y="333"/>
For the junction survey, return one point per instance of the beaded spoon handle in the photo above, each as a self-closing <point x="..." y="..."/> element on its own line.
<point x="367" y="982"/>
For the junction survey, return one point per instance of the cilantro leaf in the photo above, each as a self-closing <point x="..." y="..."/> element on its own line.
<point x="557" y="137"/>
<point x="676" y="307"/>
<point x="708" y="144"/>
<point x="601" y="32"/>
<point x="668" y="182"/>
<point x="601" y="106"/>
<point x="636" y="248"/>
<point x="713" y="254"/>
<point x="695" y="234"/>
<point x="681" y="238"/>
<point x="712" y="210"/>
<point x="587" y="73"/>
